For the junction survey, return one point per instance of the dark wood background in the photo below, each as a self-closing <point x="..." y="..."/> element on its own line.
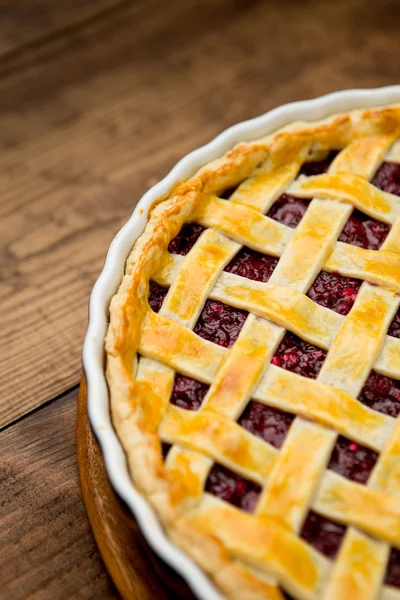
<point x="98" y="100"/>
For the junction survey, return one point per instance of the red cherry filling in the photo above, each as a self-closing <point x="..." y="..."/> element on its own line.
<point x="294" y="354"/>
<point x="188" y="393"/>
<point x="165" y="448"/>
<point x="317" y="167"/>
<point x="266" y="422"/>
<point x="394" y="328"/>
<point x="361" y="230"/>
<point x="351" y="460"/>
<point x="252" y="264"/>
<point x="227" y="193"/>
<point x="334" y="291"/>
<point x="220" y="323"/>
<point x="186" y="239"/>
<point x="326" y="536"/>
<point x="288" y="210"/>
<point x="387" y="178"/>
<point x="393" y="568"/>
<point x="232" y="488"/>
<point x="381" y="393"/>
<point x="156" y="296"/>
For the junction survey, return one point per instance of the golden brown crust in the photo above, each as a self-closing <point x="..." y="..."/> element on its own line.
<point x="135" y="418"/>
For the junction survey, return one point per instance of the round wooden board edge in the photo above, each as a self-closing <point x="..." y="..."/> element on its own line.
<point x="136" y="571"/>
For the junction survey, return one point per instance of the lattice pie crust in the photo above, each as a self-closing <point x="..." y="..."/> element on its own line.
<point x="257" y="556"/>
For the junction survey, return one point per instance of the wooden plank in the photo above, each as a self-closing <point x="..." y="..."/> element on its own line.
<point x="89" y="121"/>
<point x="26" y="22"/>
<point x="46" y="546"/>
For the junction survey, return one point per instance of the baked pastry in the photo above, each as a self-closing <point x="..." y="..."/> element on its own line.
<point x="253" y="362"/>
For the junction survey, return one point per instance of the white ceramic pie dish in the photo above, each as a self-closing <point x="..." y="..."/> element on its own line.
<point x="109" y="280"/>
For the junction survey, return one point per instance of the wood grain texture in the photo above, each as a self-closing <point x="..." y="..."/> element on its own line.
<point x="24" y="23"/>
<point x="91" y="119"/>
<point x="136" y="571"/>
<point x="47" y="550"/>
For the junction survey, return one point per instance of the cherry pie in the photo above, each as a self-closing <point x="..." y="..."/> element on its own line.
<point x="253" y="361"/>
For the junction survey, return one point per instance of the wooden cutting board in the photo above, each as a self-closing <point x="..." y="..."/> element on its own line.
<point x="135" y="569"/>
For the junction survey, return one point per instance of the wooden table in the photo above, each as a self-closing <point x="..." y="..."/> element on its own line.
<point x="98" y="100"/>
